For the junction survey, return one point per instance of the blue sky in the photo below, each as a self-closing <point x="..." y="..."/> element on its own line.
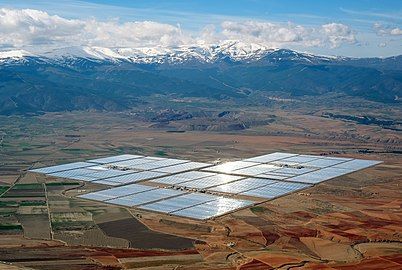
<point x="371" y="28"/>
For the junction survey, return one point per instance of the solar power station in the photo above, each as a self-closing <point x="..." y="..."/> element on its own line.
<point x="201" y="190"/>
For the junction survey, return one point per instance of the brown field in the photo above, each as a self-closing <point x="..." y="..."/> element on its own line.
<point x="140" y="236"/>
<point x="35" y="226"/>
<point x="352" y="222"/>
<point x="89" y="237"/>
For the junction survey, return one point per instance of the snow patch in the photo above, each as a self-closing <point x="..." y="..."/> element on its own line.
<point x="14" y="54"/>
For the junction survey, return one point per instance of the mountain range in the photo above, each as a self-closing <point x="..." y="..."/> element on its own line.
<point x="82" y="78"/>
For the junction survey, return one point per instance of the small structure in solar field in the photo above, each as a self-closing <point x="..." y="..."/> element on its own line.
<point x="200" y="190"/>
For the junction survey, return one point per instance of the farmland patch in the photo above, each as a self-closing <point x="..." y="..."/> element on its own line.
<point x="140" y="236"/>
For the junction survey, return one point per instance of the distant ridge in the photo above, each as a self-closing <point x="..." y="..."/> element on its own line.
<point x="113" y="79"/>
<point x="233" y="50"/>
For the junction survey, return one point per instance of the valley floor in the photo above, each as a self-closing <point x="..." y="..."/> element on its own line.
<point x="351" y="222"/>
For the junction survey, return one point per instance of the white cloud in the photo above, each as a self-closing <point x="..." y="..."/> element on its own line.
<point x="32" y="27"/>
<point x="396" y="31"/>
<point x="144" y="33"/>
<point x="387" y="30"/>
<point x="383" y="44"/>
<point x="337" y="34"/>
<point x="279" y="35"/>
<point x="265" y="32"/>
<point x="21" y="27"/>
<point x="26" y="27"/>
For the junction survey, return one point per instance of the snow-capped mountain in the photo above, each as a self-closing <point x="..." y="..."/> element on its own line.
<point x="111" y="79"/>
<point x="235" y="51"/>
<point x="13" y="54"/>
<point x="17" y="56"/>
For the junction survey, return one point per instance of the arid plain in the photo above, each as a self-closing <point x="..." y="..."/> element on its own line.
<point x="351" y="222"/>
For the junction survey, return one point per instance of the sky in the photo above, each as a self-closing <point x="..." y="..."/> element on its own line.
<point x="358" y="28"/>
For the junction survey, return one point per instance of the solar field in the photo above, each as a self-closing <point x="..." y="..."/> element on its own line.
<point x="200" y="190"/>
